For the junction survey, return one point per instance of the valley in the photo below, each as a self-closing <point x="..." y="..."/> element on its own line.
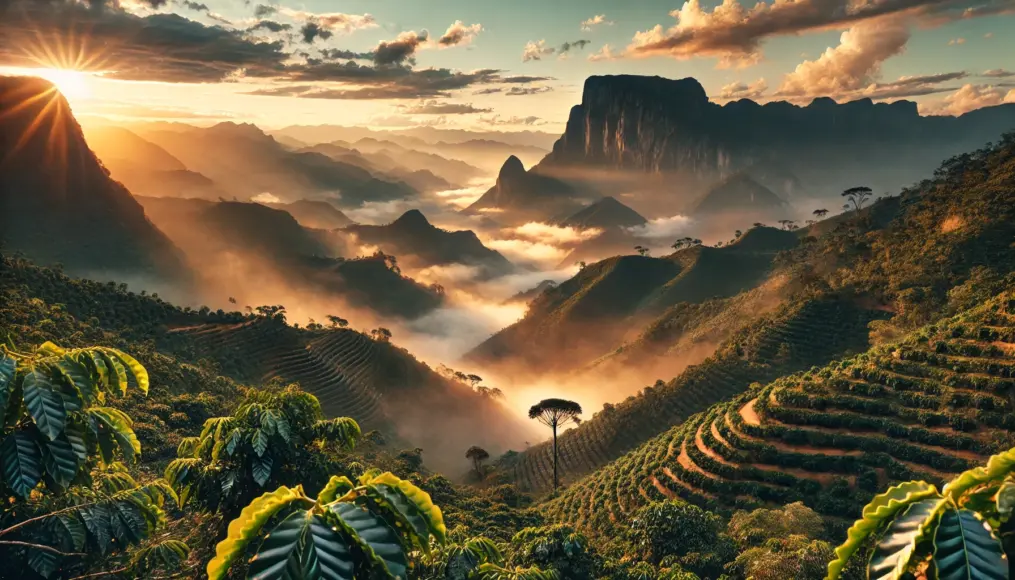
<point x="448" y="347"/>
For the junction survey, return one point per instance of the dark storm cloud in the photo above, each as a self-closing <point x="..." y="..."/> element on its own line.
<point x="160" y="47"/>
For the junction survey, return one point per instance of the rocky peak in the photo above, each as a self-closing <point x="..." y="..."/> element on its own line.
<point x="511" y="172"/>
<point x="412" y="219"/>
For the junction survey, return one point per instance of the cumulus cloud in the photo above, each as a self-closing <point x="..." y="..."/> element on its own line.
<point x="263" y="10"/>
<point x="536" y="50"/>
<point x="401" y="49"/>
<point x="853" y="64"/>
<point x="665" y="227"/>
<point x="433" y="107"/>
<point x="956" y="41"/>
<point x="968" y="98"/>
<point x="595" y="21"/>
<point x="737" y="90"/>
<point x="733" y="32"/>
<point x="604" y="53"/>
<point x="332" y="22"/>
<point x="270" y="26"/>
<point x="459" y="34"/>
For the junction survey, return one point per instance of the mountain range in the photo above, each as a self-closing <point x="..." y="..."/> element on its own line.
<point x="58" y="203"/>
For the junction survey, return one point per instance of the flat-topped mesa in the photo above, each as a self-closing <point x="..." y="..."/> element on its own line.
<point x="653" y="124"/>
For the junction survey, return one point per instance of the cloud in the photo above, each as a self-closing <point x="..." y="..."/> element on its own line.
<point x="263" y="10"/>
<point x="343" y="54"/>
<point x="522" y="91"/>
<point x="997" y="73"/>
<point x="666" y="227"/>
<point x="733" y="32"/>
<point x="459" y="34"/>
<point x="438" y="108"/>
<point x="200" y="7"/>
<point x="604" y="53"/>
<point x="157" y="47"/>
<point x="551" y="234"/>
<point x="525" y="252"/>
<point x="266" y="197"/>
<point x="331" y="22"/>
<point x="595" y="21"/>
<point x="525" y="79"/>
<point x="311" y="31"/>
<point x="536" y="50"/>
<point x="956" y="41"/>
<point x="383" y="82"/>
<point x="564" y="50"/>
<point x="852" y="65"/>
<point x="968" y="98"/>
<point x="498" y="120"/>
<point x="736" y="91"/>
<point x="401" y="49"/>
<point x="270" y="26"/>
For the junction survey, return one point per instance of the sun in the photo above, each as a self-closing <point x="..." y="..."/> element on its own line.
<point x="74" y="85"/>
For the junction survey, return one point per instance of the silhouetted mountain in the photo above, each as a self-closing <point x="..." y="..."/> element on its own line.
<point x="653" y="125"/>
<point x="57" y="202"/>
<point x="229" y="241"/>
<point x="246" y="162"/>
<point x="315" y="214"/>
<point x="582" y="318"/>
<point x="605" y="213"/>
<point x="419" y="243"/>
<point x="395" y="157"/>
<point x="532" y="293"/>
<point x="525" y="195"/>
<point x="739" y="194"/>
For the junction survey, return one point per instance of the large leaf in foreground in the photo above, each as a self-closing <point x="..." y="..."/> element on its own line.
<point x="22" y="463"/>
<point x="279" y="554"/>
<point x="892" y="554"/>
<point x="246" y="527"/>
<point x="965" y="549"/>
<point x="376" y="537"/>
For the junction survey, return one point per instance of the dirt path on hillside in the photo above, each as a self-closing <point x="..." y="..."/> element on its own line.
<point x="749" y="415"/>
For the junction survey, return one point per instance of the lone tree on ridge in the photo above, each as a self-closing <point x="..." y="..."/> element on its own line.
<point x="477" y="455"/>
<point x="556" y="413"/>
<point x="858" y="196"/>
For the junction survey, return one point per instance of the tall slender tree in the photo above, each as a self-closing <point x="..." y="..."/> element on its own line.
<point x="556" y="413"/>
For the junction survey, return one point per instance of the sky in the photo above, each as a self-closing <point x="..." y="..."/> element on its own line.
<point x="489" y="65"/>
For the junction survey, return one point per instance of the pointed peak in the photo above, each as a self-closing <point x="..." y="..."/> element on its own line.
<point x="413" y="217"/>
<point x="511" y="168"/>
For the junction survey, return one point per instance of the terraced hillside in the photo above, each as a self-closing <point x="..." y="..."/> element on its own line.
<point x="589" y="315"/>
<point x="378" y="384"/>
<point x="927" y="407"/>
<point x="773" y="346"/>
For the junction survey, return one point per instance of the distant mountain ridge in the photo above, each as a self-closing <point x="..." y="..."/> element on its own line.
<point x="605" y="213"/>
<point x="415" y="240"/>
<point x="653" y="124"/>
<point x="525" y="195"/>
<point x="58" y="203"/>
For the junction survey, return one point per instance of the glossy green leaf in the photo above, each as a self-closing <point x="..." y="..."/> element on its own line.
<point x="136" y="369"/>
<point x="117" y="372"/>
<point x="893" y="552"/>
<point x="418" y="498"/>
<point x="248" y="525"/>
<point x="998" y="466"/>
<point x="60" y="460"/>
<point x="114" y="425"/>
<point x="405" y="512"/>
<point x="881" y="508"/>
<point x="76" y="530"/>
<point x="280" y="554"/>
<point x="44" y="404"/>
<point x="375" y="537"/>
<point x="260" y="468"/>
<point x="22" y="462"/>
<point x="328" y="553"/>
<point x="965" y="549"/>
<point x="336" y="487"/>
<point x="259" y="440"/>
<point x="7" y="368"/>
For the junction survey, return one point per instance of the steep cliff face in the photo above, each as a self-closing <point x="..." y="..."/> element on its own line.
<point x="655" y="125"/>
<point x="57" y="201"/>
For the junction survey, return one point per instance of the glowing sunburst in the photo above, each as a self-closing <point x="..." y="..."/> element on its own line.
<point x="71" y="83"/>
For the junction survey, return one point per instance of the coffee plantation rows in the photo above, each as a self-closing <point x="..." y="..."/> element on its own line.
<point x="928" y="407"/>
<point x="794" y="338"/>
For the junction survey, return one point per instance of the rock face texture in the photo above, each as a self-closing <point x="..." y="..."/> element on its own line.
<point x="657" y="125"/>
<point x="57" y="201"/>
